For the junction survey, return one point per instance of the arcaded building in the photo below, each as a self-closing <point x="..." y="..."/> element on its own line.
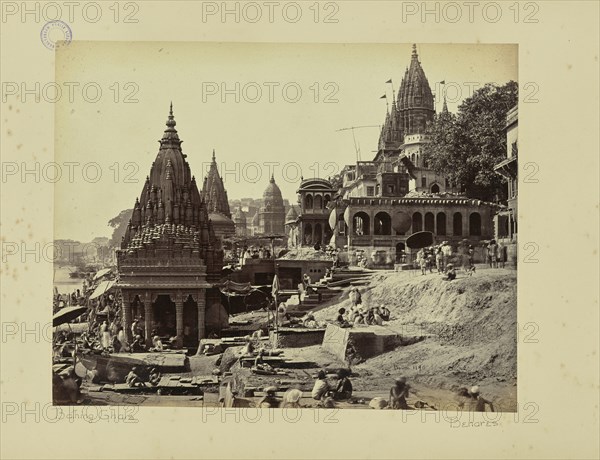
<point x="383" y="201"/>
<point x="314" y="196"/>
<point x="170" y="256"/>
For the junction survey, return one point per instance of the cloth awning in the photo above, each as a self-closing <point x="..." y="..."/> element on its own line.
<point x="101" y="273"/>
<point x="231" y="288"/>
<point x="102" y="288"/>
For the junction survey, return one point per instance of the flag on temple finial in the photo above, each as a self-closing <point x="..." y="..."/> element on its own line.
<point x="383" y="97"/>
<point x="389" y="81"/>
<point x="443" y="82"/>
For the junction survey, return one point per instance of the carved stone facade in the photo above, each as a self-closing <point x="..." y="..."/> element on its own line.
<point x="170" y="256"/>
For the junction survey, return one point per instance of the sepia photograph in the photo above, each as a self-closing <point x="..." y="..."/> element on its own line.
<point x="339" y="230"/>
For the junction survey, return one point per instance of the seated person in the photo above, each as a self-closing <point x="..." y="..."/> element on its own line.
<point x="344" y="387"/>
<point x="450" y="273"/>
<point x="340" y="320"/>
<point x="260" y="364"/>
<point x="137" y="346"/>
<point x="291" y="398"/>
<point x="384" y="312"/>
<point x="359" y="320"/>
<point x="134" y="380"/>
<point x="398" y="394"/>
<point x="321" y="386"/>
<point x="116" y="344"/>
<point x="154" y="377"/>
<point x="377" y="319"/>
<point x="269" y="400"/>
<point x="309" y="321"/>
<point x="157" y="344"/>
<point x="248" y="349"/>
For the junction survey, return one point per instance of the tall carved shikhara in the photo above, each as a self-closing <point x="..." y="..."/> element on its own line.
<point x="412" y="109"/>
<point x="169" y="247"/>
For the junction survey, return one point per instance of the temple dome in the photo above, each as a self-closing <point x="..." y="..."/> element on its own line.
<point x="291" y="216"/>
<point x="272" y="195"/>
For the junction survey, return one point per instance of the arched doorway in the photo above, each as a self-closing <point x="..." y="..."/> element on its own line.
<point x="383" y="224"/>
<point x="400" y="253"/>
<point x="308" y="234"/>
<point x="435" y="188"/>
<point x="417" y="222"/>
<point x="475" y="224"/>
<point x="308" y="202"/>
<point x="361" y="223"/>
<point x="429" y="222"/>
<point x="318" y="234"/>
<point x="318" y="202"/>
<point x="457" y="224"/>
<point x="441" y="223"/>
<point x="342" y="227"/>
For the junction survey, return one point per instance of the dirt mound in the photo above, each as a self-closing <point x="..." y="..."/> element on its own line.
<point x="470" y="325"/>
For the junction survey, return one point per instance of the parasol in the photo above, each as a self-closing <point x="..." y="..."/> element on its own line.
<point x="67" y="314"/>
<point x="419" y="240"/>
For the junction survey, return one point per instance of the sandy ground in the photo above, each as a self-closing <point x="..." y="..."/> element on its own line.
<point x="469" y="327"/>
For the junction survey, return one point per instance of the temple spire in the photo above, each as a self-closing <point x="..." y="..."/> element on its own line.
<point x="445" y="106"/>
<point x="414" y="52"/>
<point x="170" y="137"/>
<point x="171" y="121"/>
<point x="213" y="191"/>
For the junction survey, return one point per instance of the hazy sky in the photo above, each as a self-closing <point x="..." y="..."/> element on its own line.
<point x="263" y="107"/>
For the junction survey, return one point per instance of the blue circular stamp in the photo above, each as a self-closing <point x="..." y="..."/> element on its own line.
<point x="55" y="31"/>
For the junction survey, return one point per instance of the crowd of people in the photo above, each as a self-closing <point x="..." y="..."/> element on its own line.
<point x="443" y="259"/>
<point x="359" y="314"/>
<point x="329" y="389"/>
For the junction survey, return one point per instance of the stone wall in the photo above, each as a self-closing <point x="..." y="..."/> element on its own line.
<point x="297" y="338"/>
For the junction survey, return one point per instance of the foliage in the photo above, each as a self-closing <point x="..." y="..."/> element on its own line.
<point x="466" y="146"/>
<point x="119" y="223"/>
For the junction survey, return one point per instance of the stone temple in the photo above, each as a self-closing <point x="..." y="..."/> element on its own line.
<point x="170" y="256"/>
<point x="217" y="203"/>
<point x="380" y="203"/>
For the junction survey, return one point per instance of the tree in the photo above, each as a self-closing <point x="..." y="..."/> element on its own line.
<point x="466" y="146"/>
<point x="119" y="223"/>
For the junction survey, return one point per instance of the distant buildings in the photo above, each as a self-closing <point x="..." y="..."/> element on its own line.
<point x="261" y="213"/>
